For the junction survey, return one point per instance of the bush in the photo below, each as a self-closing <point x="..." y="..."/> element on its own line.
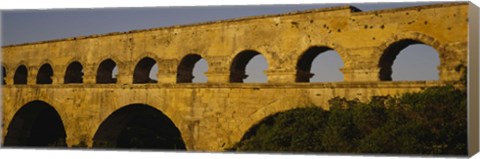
<point x="430" y="122"/>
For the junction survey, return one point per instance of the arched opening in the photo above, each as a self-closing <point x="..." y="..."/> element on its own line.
<point x="409" y="60"/>
<point x="142" y="72"/>
<point x="21" y="75"/>
<point x="45" y="74"/>
<point x="192" y="69"/>
<point x="4" y="75"/>
<point x="36" y="124"/>
<point x="105" y="72"/>
<point x="74" y="73"/>
<point x="319" y="64"/>
<point x="248" y="67"/>
<point x="138" y="126"/>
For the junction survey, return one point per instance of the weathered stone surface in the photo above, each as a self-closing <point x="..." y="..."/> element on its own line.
<point x="215" y="115"/>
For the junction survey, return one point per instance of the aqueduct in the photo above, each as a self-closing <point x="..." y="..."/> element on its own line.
<point x="64" y="89"/>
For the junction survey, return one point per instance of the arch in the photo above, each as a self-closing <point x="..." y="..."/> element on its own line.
<point x="304" y="65"/>
<point x="239" y="65"/>
<point x="391" y="53"/>
<point x="36" y="124"/>
<point x="4" y="75"/>
<point x="105" y="72"/>
<point x="45" y="74"/>
<point x="21" y="75"/>
<point x="74" y="73"/>
<point x="142" y="71"/>
<point x="185" y="69"/>
<point x="138" y="126"/>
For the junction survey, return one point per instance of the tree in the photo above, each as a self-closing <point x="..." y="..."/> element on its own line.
<point x="433" y="121"/>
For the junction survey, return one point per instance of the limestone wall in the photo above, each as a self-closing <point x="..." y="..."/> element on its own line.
<point x="359" y="38"/>
<point x="210" y="117"/>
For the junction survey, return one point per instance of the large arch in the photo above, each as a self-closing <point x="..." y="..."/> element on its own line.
<point x="21" y="75"/>
<point x="74" y="73"/>
<point x="45" y="74"/>
<point x="142" y="71"/>
<point x="239" y="65"/>
<point x="105" y="72"/>
<point x="264" y="109"/>
<point x="138" y="126"/>
<point x="391" y="53"/>
<point x="186" y="67"/>
<point x="36" y="124"/>
<point x="304" y="65"/>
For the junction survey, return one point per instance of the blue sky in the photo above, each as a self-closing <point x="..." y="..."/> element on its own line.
<point x="416" y="62"/>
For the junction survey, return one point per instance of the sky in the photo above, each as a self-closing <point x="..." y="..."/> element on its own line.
<point x="416" y="62"/>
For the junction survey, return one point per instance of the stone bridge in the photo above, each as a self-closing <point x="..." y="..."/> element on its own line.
<point x="63" y="90"/>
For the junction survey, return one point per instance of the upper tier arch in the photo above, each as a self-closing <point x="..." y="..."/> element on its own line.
<point x="360" y="38"/>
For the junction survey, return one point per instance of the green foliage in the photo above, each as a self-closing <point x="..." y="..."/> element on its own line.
<point x="280" y="132"/>
<point x="430" y="122"/>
